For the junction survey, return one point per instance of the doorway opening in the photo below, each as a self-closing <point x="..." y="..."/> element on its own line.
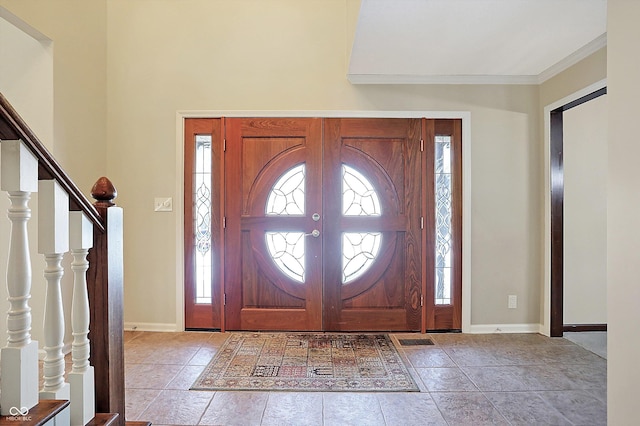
<point x="557" y="223"/>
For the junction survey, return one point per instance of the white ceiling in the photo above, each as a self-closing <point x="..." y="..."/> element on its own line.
<point x="473" y="41"/>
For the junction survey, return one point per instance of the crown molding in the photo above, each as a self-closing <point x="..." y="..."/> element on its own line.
<point x="440" y="79"/>
<point x="580" y="54"/>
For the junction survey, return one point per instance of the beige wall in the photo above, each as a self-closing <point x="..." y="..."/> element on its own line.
<point x="60" y="90"/>
<point x="78" y="31"/>
<point x="291" y="55"/>
<point x="26" y="74"/>
<point x="623" y="211"/>
<point x="124" y="71"/>
<point x="26" y="80"/>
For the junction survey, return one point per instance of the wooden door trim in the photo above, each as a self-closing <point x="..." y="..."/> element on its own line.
<point x="465" y="116"/>
<point x="556" y="177"/>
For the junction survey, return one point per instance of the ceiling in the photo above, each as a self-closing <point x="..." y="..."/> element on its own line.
<point x="473" y="41"/>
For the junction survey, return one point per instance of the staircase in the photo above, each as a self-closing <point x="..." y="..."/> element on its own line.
<point x="92" y="234"/>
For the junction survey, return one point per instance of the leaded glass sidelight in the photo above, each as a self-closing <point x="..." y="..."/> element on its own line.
<point x="287" y="198"/>
<point x="202" y="218"/>
<point x="359" y="249"/>
<point x="443" y="207"/>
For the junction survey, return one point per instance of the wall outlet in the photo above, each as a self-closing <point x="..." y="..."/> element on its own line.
<point x="163" y="204"/>
<point x="513" y="301"/>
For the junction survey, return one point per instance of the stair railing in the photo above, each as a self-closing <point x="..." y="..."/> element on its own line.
<point x="92" y="234"/>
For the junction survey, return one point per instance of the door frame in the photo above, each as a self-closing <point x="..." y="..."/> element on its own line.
<point x="465" y="116"/>
<point x="552" y="322"/>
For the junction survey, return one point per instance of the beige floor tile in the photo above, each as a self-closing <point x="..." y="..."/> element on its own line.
<point x="185" y="377"/>
<point x="149" y="376"/>
<point x="580" y="407"/>
<point x="177" y="407"/>
<point x="235" y="408"/>
<point x="137" y="400"/>
<point x="526" y="408"/>
<point x="519" y="374"/>
<point x="358" y="409"/>
<point x="467" y="408"/>
<point x="409" y="409"/>
<point x="293" y="408"/>
<point x="429" y="357"/>
<point x="495" y="379"/>
<point x="445" y="379"/>
<point x="203" y="356"/>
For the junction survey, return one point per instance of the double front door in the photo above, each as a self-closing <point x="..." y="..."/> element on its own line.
<point x="323" y="225"/>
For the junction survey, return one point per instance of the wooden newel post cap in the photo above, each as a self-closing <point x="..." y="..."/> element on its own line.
<point x="104" y="192"/>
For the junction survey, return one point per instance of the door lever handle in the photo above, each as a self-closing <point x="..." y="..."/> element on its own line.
<point x="315" y="233"/>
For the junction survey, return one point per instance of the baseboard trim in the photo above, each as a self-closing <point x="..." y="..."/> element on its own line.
<point x="503" y="328"/>
<point x="473" y="329"/>
<point x="150" y="326"/>
<point x="584" y="327"/>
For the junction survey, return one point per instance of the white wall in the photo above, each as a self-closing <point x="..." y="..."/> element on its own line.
<point x="585" y="213"/>
<point x="623" y="211"/>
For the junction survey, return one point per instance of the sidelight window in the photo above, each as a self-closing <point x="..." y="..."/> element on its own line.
<point x="443" y="205"/>
<point x="202" y="217"/>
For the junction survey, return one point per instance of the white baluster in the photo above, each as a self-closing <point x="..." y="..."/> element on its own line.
<point x="19" y="359"/>
<point x="81" y="377"/>
<point x="53" y="242"/>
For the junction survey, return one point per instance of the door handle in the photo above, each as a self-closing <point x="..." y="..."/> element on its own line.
<point x="315" y="233"/>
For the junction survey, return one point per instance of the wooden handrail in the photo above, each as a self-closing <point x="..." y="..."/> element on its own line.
<point x="12" y="127"/>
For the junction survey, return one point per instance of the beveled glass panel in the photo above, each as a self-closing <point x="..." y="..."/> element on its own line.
<point x="287" y="251"/>
<point x="359" y="251"/>
<point x="202" y="218"/>
<point x="286" y="197"/>
<point x="359" y="197"/>
<point x="443" y="207"/>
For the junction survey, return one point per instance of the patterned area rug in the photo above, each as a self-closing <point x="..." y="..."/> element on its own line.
<point x="307" y="362"/>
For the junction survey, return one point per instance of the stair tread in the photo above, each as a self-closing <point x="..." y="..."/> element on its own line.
<point x="138" y="423"/>
<point x="44" y="411"/>
<point x="103" y="419"/>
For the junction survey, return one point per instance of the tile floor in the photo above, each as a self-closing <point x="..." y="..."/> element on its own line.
<point x="505" y="379"/>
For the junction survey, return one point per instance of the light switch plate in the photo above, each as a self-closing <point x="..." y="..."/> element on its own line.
<point x="163" y="204"/>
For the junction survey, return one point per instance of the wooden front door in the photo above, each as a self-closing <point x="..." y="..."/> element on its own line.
<point x="372" y="240"/>
<point x="273" y="273"/>
<point x="323" y="224"/>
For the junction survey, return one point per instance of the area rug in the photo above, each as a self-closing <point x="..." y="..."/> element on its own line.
<point x="307" y="362"/>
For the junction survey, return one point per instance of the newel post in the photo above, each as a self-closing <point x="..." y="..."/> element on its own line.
<point x="105" y="279"/>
